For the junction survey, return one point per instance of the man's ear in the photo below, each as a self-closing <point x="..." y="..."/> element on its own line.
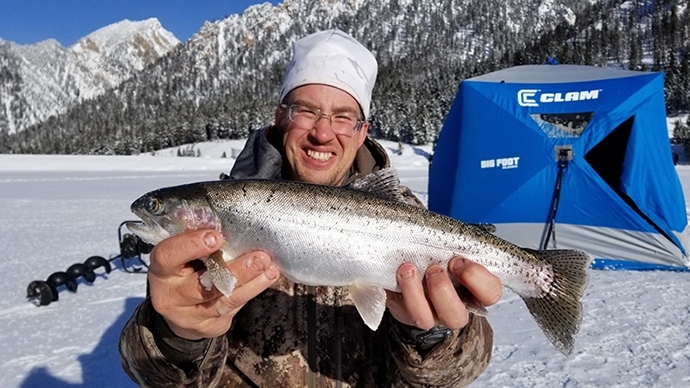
<point x="363" y="132"/>
<point x="278" y="116"/>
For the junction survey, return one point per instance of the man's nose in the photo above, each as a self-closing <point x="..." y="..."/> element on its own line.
<point x="322" y="129"/>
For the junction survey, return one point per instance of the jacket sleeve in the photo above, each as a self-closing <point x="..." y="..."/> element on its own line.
<point x="152" y="359"/>
<point x="455" y="362"/>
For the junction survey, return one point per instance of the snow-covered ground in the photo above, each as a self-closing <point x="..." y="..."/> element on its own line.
<point x="58" y="210"/>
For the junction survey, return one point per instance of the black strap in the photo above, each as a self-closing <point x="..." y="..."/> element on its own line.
<point x="424" y="341"/>
<point x="339" y="330"/>
<point x="311" y="336"/>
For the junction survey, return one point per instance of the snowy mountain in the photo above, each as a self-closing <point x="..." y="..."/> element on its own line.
<point x="45" y="78"/>
<point x="223" y="82"/>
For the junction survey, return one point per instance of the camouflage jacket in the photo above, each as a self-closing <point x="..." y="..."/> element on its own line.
<point x="293" y="335"/>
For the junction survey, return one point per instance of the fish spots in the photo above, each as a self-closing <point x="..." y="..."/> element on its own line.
<point x="271" y="194"/>
<point x="432" y="261"/>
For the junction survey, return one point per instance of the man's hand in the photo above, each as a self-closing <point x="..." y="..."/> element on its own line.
<point x="191" y="311"/>
<point x="435" y="301"/>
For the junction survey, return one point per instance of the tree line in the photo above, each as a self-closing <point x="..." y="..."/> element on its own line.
<point x="187" y="97"/>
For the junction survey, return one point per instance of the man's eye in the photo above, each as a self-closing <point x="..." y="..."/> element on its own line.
<point x="306" y="112"/>
<point x="344" y="119"/>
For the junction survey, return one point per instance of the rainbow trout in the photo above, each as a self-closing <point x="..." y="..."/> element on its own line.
<point x="357" y="236"/>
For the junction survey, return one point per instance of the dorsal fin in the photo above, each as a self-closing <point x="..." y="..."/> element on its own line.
<point x="383" y="183"/>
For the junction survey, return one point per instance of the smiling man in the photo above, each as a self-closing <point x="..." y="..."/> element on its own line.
<point x="321" y="121"/>
<point x="274" y="333"/>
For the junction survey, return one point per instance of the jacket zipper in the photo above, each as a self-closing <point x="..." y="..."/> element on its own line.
<point x="339" y="330"/>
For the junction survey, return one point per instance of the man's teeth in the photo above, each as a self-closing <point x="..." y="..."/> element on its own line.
<point x="322" y="156"/>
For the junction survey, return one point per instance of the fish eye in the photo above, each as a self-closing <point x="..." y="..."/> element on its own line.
<point x="154" y="206"/>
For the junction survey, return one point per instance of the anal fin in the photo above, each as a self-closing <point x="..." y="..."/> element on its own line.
<point x="370" y="302"/>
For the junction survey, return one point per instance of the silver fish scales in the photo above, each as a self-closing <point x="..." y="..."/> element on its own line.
<point x="358" y="236"/>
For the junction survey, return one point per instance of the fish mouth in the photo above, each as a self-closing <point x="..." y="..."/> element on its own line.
<point x="137" y="226"/>
<point x="144" y="222"/>
<point x="147" y="229"/>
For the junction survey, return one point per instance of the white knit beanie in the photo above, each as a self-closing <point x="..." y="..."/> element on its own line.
<point x="332" y="58"/>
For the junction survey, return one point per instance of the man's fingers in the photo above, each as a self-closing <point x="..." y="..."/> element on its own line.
<point x="441" y="304"/>
<point x="450" y="310"/>
<point x="249" y="266"/>
<point x="244" y="292"/>
<point x="245" y="269"/>
<point x="172" y="272"/>
<point x="171" y="257"/>
<point x="419" y="311"/>
<point x="484" y="285"/>
<point x="197" y="313"/>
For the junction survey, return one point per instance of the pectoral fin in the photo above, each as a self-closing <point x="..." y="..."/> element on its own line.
<point x="218" y="274"/>
<point x="370" y="301"/>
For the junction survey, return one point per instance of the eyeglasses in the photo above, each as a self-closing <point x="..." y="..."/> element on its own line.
<point x="341" y="123"/>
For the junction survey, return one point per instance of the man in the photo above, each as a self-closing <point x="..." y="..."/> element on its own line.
<point x="274" y="333"/>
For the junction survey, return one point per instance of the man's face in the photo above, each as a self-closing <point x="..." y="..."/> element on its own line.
<point x="316" y="154"/>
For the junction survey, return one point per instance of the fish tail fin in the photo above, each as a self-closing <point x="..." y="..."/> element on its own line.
<point x="559" y="311"/>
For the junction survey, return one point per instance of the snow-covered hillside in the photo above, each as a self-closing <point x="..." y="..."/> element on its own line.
<point x="46" y="78"/>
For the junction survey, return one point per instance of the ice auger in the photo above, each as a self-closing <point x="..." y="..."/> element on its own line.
<point x="42" y="293"/>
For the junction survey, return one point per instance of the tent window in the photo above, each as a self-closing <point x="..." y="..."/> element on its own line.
<point x="562" y="125"/>
<point x="607" y="158"/>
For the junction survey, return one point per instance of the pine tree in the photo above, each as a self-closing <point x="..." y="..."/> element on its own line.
<point x="681" y="134"/>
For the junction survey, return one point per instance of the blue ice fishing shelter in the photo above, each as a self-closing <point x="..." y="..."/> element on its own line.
<point x="565" y="156"/>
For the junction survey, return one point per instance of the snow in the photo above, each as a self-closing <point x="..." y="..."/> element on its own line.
<point x="59" y="210"/>
<point x="114" y="34"/>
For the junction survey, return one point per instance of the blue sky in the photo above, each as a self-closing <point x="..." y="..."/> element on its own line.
<point x="32" y="21"/>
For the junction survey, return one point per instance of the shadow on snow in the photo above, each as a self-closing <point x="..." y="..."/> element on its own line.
<point x="100" y="368"/>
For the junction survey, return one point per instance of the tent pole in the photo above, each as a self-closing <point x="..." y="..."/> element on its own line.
<point x="563" y="157"/>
